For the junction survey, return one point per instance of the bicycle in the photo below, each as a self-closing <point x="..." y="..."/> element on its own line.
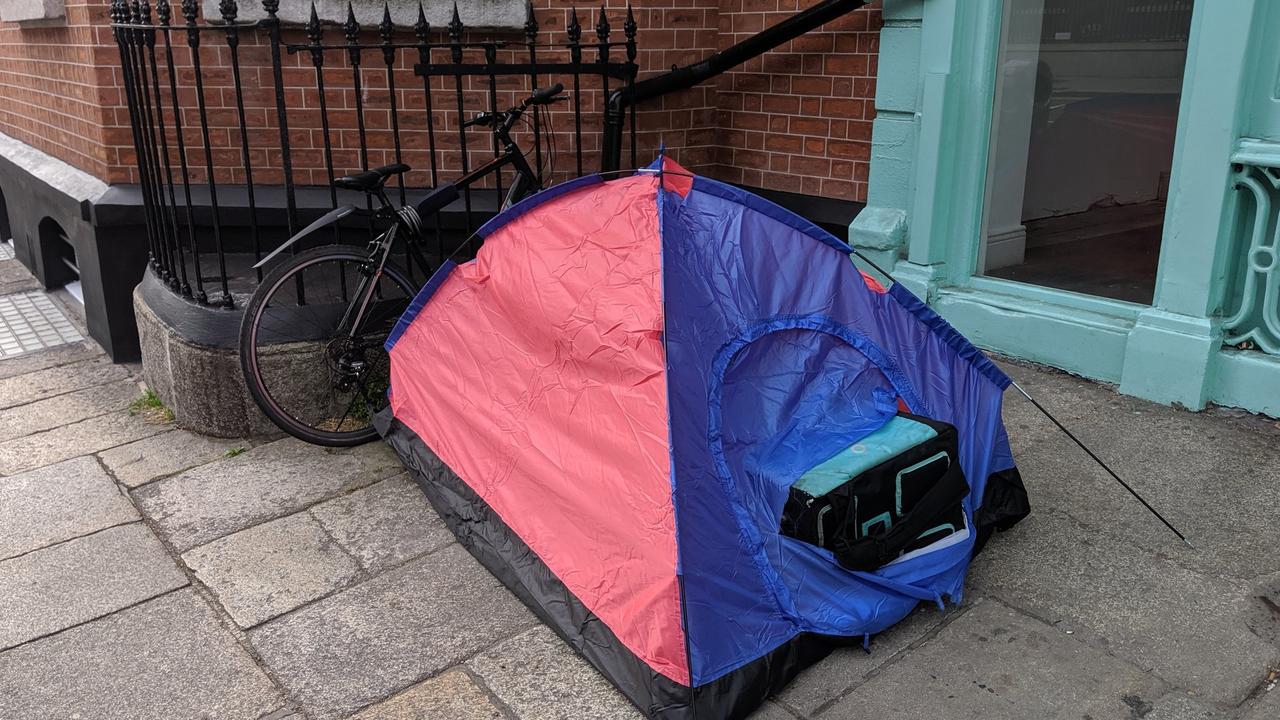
<point x="312" y="336"/>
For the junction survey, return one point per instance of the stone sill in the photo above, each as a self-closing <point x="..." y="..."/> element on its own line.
<point x="475" y="14"/>
<point x="33" y="12"/>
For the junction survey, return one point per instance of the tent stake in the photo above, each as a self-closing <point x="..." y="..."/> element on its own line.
<point x="1098" y="460"/>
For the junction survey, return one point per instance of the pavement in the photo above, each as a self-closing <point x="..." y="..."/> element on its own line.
<point x="149" y="572"/>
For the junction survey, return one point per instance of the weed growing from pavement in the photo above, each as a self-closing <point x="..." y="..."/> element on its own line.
<point x="150" y="407"/>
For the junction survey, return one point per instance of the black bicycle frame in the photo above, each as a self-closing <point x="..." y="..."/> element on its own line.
<point x="523" y="178"/>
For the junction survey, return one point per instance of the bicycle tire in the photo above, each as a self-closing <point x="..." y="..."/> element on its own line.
<point x="273" y="283"/>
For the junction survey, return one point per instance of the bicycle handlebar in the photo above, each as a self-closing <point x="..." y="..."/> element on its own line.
<point x="546" y="95"/>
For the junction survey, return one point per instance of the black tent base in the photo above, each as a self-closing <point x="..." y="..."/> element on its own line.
<point x="480" y="530"/>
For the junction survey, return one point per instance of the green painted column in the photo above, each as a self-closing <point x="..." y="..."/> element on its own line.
<point x="933" y="99"/>
<point x="1172" y="349"/>
<point x="880" y="230"/>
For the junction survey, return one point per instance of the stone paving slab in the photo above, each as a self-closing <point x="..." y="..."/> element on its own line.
<point x="771" y="711"/>
<point x="541" y="678"/>
<point x="362" y="645"/>
<point x="1264" y="707"/>
<point x="994" y="663"/>
<point x="450" y="696"/>
<point x="267" y="482"/>
<point x="165" y="658"/>
<point x="385" y="524"/>
<point x="78" y="438"/>
<point x="14" y="278"/>
<point x="55" y="380"/>
<point x="1263" y="614"/>
<point x="831" y="678"/>
<point x="272" y="568"/>
<point x="68" y="408"/>
<point x="1188" y="628"/>
<point x="61" y="355"/>
<point x="70" y="583"/>
<point x="1234" y="461"/>
<point x="57" y="503"/>
<point x="160" y="455"/>
<point x="1178" y="706"/>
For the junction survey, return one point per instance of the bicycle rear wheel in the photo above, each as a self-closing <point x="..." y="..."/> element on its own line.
<point x="313" y="380"/>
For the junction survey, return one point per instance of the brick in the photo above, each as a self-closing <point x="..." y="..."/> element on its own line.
<point x="809" y="126"/>
<point x="811" y="85"/>
<point x="784" y="143"/>
<point x="787" y="104"/>
<point x="846" y="65"/>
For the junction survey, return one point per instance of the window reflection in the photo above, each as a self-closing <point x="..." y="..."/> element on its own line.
<point x="1082" y="143"/>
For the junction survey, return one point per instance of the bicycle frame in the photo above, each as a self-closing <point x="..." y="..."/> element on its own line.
<point x="381" y="247"/>
<point x="378" y="290"/>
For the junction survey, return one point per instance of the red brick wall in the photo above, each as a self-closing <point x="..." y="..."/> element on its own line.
<point x="54" y="82"/>
<point x="682" y="32"/>
<point x="797" y="119"/>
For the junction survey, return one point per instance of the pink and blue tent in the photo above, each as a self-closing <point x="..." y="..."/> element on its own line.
<point x="608" y="406"/>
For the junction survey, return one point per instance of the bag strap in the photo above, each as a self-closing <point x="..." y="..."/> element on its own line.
<point x="872" y="551"/>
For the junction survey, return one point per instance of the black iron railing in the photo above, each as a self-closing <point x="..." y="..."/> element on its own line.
<point x="239" y="126"/>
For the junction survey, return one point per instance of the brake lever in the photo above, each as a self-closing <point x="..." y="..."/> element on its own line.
<point x="484" y="118"/>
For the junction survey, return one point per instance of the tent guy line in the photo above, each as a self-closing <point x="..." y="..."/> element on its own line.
<point x="1064" y="429"/>
<point x="1098" y="460"/>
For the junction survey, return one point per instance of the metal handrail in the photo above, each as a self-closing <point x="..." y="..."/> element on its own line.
<point x="686" y="77"/>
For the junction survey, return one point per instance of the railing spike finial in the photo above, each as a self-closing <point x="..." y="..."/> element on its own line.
<point x="137" y="12"/>
<point x="271" y="7"/>
<point x="629" y="30"/>
<point x="351" y="28"/>
<point x="189" y="10"/>
<point x="574" y="27"/>
<point x="386" y="28"/>
<point x="422" y="28"/>
<point x="313" y="26"/>
<point x="602" y="26"/>
<point x="455" y="37"/>
<point x="602" y="34"/>
<point x="530" y="22"/>
<point x="228" y="9"/>
<point x="164" y="12"/>
<point x="455" y="24"/>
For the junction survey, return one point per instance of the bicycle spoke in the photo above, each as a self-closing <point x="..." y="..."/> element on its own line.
<point x="314" y="381"/>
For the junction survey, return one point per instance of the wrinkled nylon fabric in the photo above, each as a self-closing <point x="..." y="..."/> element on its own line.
<point x="743" y="429"/>
<point x="631" y="378"/>
<point x="536" y="373"/>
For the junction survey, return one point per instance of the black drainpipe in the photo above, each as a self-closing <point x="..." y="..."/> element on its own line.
<point x="690" y="75"/>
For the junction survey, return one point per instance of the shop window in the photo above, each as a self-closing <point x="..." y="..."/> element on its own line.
<point x="1083" y="132"/>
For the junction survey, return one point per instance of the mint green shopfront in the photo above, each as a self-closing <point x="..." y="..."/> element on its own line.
<point x="1093" y="186"/>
